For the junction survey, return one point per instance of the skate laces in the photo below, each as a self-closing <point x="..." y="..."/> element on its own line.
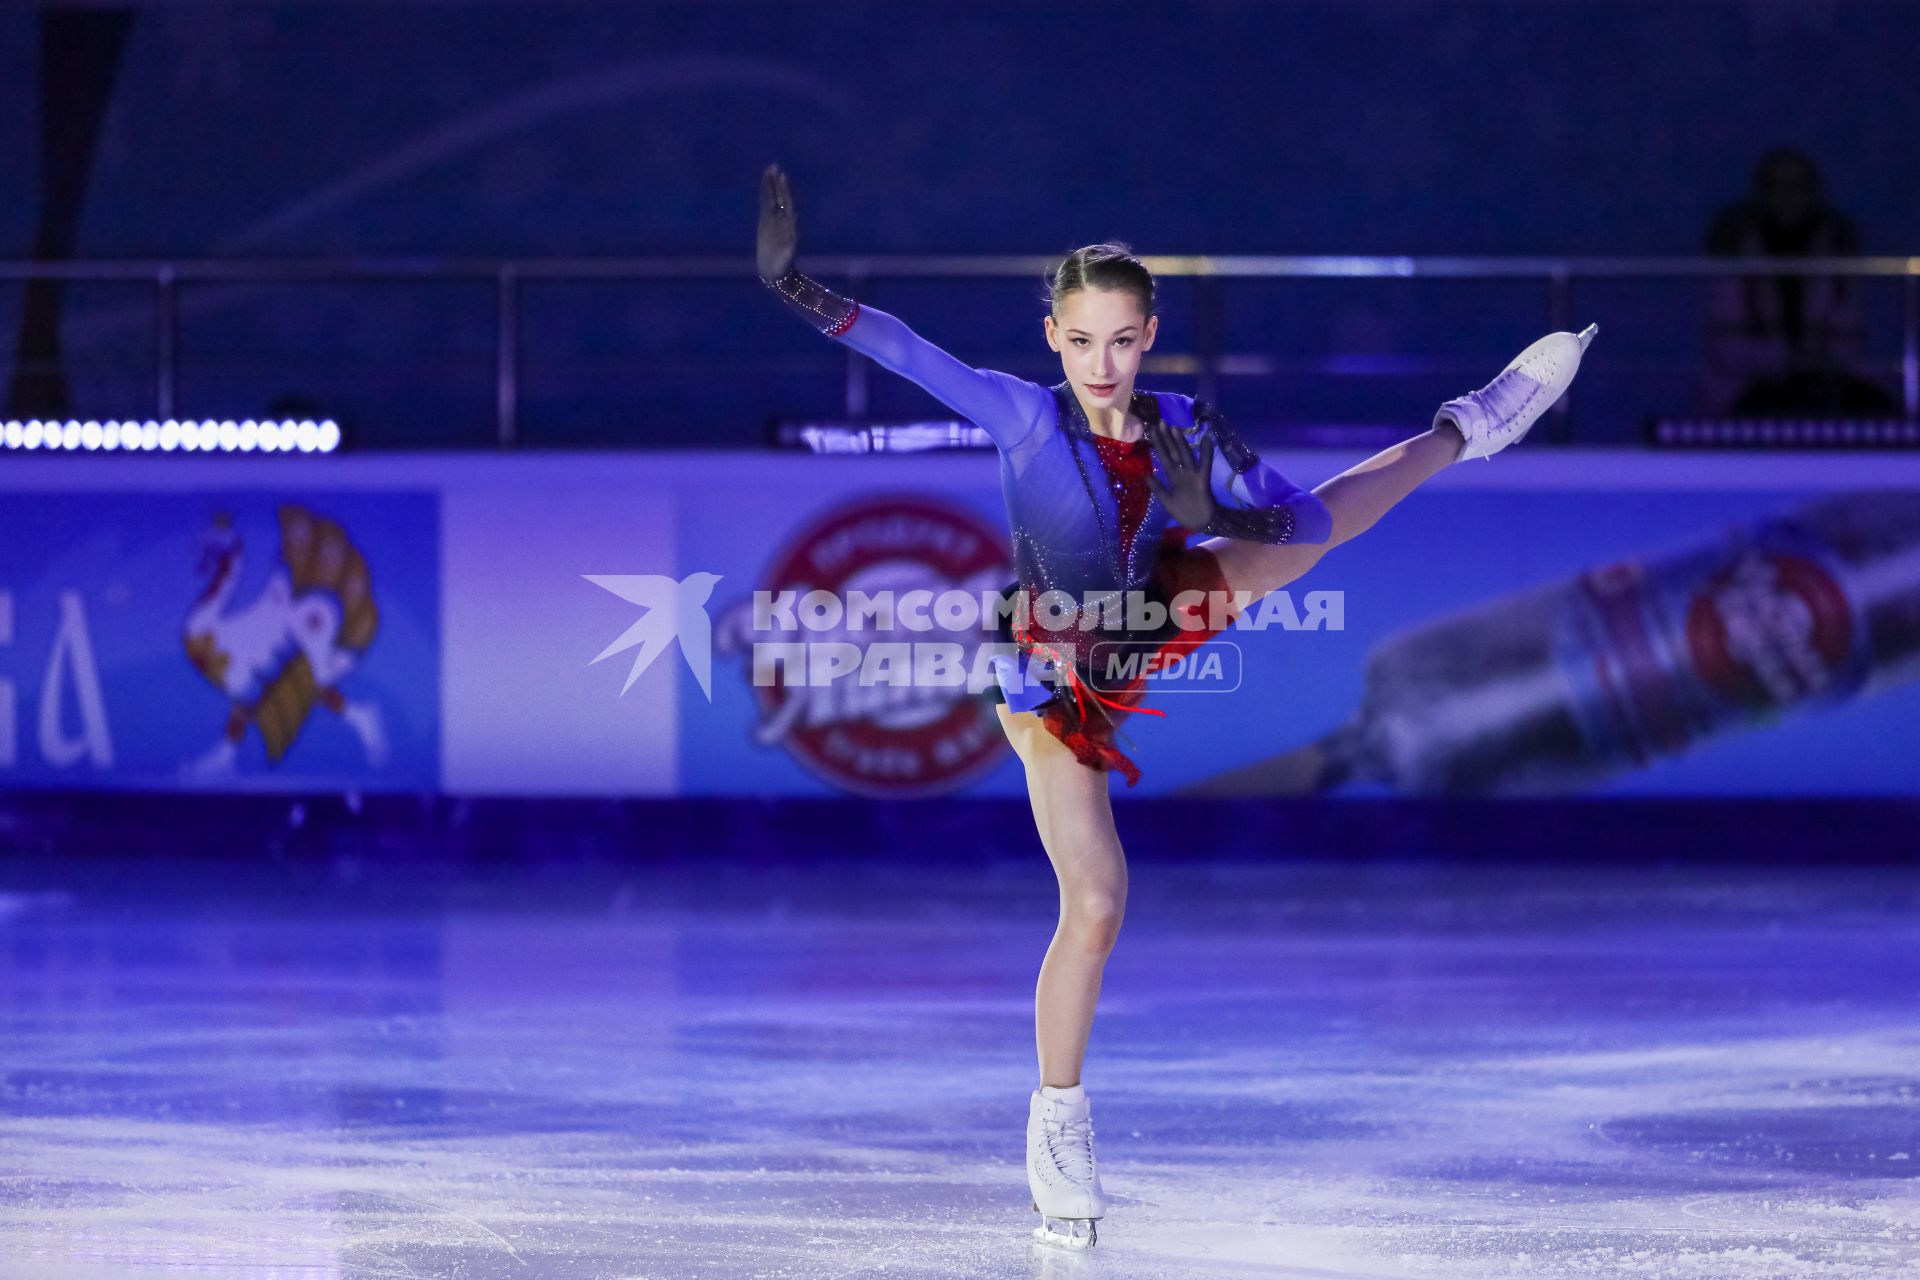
<point x="1070" y="1146"/>
<point x="1508" y="396"/>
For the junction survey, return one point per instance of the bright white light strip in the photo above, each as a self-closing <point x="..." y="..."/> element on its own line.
<point x="1790" y="431"/>
<point x="249" y="436"/>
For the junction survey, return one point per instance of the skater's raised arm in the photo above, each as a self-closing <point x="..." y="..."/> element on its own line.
<point x="1005" y="407"/>
<point x="1241" y="496"/>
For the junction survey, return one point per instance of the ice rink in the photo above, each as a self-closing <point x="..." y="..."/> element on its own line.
<point x="727" y="1069"/>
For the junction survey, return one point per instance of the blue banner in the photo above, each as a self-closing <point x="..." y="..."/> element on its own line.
<point x="1574" y="635"/>
<point x="1581" y="623"/>
<point x="225" y="640"/>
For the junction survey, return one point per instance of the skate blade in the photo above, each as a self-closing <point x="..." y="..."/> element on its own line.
<point x="1070" y="1238"/>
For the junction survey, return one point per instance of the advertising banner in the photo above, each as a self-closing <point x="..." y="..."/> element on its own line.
<point x="220" y="639"/>
<point x="1571" y="623"/>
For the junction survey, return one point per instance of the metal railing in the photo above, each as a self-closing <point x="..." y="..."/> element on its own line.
<point x="1207" y="363"/>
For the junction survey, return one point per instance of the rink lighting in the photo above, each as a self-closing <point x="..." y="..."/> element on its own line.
<point x="1787" y="433"/>
<point x="249" y="435"/>
<point x="901" y="437"/>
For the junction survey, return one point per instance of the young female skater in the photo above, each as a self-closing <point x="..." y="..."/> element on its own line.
<point x="1090" y="517"/>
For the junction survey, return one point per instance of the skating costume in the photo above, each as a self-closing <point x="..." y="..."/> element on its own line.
<point x="1083" y="521"/>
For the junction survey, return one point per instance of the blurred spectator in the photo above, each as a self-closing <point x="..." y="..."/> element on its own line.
<point x="1785" y="344"/>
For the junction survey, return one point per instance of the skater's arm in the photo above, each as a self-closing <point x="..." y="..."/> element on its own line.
<point x="1005" y="407"/>
<point x="1267" y="494"/>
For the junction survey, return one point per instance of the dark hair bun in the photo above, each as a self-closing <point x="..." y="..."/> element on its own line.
<point x="1101" y="266"/>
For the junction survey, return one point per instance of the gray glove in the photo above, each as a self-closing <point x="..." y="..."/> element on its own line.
<point x="1188" y="493"/>
<point x="824" y="309"/>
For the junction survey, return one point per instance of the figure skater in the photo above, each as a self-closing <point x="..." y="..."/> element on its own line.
<point x="1090" y="517"/>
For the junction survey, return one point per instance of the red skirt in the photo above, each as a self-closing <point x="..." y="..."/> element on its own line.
<point x="1084" y="718"/>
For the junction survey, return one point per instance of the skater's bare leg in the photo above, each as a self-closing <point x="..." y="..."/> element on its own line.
<point x="1357" y="497"/>
<point x="1072" y="810"/>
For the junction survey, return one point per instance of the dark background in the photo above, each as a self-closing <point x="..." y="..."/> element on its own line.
<point x="1583" y="127"/>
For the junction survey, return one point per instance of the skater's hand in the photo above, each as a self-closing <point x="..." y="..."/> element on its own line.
<point x="779" y="232"/>
<point x="824" y="309"/>
<point x="1188" y="492"/>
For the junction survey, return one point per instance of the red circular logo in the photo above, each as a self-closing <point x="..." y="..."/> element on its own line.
<point x="1770" y="629"/>
<point x="887" y="739"/>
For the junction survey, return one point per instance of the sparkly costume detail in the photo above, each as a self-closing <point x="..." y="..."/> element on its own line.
<point x="1232" y="447"/>
<point x="1248" y="524"/>
<point x="1269" y="524"/>
<point x="1127" y="463"/>
<point x="822" y="308"/>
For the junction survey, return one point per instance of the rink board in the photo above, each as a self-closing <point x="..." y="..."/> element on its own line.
<point x="494" y="582"/>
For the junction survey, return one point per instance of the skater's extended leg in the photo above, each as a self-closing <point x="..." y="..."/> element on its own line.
<point x="1476" y="425"/>
<point x="1357" y="497"/>
<point x="1074" y="815"/>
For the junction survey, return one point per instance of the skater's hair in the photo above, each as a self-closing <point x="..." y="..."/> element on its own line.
<point x="1100" y="266"/>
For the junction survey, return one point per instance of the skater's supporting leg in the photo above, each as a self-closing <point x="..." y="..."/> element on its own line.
<point x="1072" y="810"/>
<point x="1357" y="497"/>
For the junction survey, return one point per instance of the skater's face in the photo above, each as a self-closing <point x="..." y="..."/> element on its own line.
<point x="1101" y="335"/>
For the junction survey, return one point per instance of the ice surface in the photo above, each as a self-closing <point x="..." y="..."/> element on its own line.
<point x="1298" y="1070"/>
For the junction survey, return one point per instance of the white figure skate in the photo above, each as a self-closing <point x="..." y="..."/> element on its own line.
<point x="1060" y="1169"/>
<point x="1499" y="413"/>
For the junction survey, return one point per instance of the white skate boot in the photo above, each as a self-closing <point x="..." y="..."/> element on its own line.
<point x="1060" y="1168"/>
<point x="1499" y="413"/>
